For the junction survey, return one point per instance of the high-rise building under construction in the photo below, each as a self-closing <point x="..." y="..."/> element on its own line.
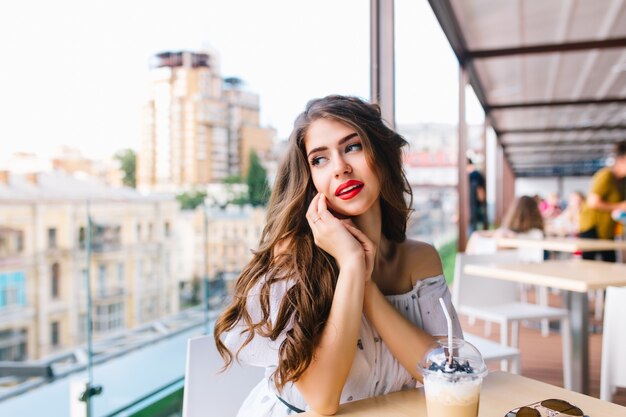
<point x="199" y="128"/>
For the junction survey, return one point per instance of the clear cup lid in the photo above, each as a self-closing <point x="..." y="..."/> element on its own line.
<point x="467" y="360"/>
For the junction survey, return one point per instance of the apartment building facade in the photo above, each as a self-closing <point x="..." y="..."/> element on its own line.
<point x="217" y="243"/>
<point x="44" y="237"/>
<point x="198" y="128"/>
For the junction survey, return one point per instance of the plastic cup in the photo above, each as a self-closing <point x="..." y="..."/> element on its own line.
<point x="452" y="391"/>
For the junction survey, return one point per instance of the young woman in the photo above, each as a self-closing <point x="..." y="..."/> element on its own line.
<point x="336" y="303"/>
<point x="523" y="219"/>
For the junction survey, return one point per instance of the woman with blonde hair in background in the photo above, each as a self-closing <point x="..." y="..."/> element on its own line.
<point x="568" y="222"/>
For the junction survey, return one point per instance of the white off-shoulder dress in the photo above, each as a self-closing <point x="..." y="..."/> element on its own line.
<point x="375" y="371"/>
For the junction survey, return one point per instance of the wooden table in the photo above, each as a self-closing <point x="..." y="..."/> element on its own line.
<point x="575" y="277"/>
<point x="561" y="244"/>
<point x="501" y="392"/>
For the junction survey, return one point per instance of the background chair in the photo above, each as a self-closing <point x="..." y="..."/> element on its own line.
<point x="613" y="372"/>
<point x="496" y="301"/>
<point x="209" y="393"/>
<point x="493" y="351"/>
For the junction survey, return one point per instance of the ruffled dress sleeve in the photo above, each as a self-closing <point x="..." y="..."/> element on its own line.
<point x="261" y="351"/>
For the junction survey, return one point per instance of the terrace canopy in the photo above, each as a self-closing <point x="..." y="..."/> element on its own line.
<point x="550" y="75"/>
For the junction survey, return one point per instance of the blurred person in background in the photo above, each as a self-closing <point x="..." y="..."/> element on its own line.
<point x="606" y="194"/>
<point x="477" y="199"/>
<point x="522" y="219"/>
<point x="568" y="222"/>
<point x="550" y="208"/>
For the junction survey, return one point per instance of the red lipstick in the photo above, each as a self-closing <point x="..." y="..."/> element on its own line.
<point x="349" y="189"/>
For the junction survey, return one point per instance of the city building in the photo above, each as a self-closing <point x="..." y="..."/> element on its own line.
<point x="67" y="159"/>
<point x="43" y="261"/>
<point x="217" y="243"/>
<point x="71" y="161"/>
<point x="198" y="127"/>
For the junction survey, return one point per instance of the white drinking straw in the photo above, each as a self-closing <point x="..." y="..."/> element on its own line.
<point x="449" y="320"/>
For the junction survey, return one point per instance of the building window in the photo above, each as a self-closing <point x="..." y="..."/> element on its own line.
<point x="55" y="272"/>
<point x="166" y="228"/>
<point x="109" y="317"/>
<point x="120" y="275"/>
<point x="20" y="241"/>
<point x="138" y="230"/>
<point x="52" y="238"/>
<point x="81" y="237"/>
<point x="150" y="307"/>
<point x="5" y="245"/>
<point x="9" y="296"/>
<point x="82" y="328"/>
<point x="102" y="280"/>
<point x="150" y="232"/>
<point x="12" y="289"/>
<point x="83" y="281"/>
<point x="13" y="345"/>
<point x="54" y="334"/>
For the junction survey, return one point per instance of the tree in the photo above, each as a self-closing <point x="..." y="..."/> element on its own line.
<point x="189" y="200"/>
<point x="128" y="160"/>
<point x="258" y="186"/>
<point x="235" y="190"/>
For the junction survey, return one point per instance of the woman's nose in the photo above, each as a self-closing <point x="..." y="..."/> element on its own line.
<point x="342" y="167"/>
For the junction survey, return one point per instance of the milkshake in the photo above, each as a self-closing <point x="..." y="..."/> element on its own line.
<point x="452" y="384"/>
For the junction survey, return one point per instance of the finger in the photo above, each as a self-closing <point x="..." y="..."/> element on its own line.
<point x="348" y="221"/>
<point x="322" y="209"/>
<point x="314" y="202"/>
<point x="311" y="213"/>
<point x="321" y="204"/>
<point x="359" y="235"/>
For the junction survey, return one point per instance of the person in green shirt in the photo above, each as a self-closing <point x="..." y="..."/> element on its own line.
<point x="607" y="193"/>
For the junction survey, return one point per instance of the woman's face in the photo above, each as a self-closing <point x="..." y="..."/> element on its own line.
<point x="339" y="167"/>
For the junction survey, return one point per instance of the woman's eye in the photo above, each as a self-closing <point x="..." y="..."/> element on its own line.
<point x="354" y="147"/>
<point x="317" y="160"/>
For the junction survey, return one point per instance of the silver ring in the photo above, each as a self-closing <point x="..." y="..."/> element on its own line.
<point x="316" y="220"/>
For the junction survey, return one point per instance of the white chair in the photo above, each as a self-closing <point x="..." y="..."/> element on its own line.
<point x="496" y="301"/>
<point x="492" y="351"/>
<point x="208" y="393"/>
<point x="613" y="373"/>
<point x="482" y="243"/>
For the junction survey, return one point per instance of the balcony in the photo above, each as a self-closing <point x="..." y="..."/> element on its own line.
<point x="16" y="315"/>
<point x="43" y="388"/>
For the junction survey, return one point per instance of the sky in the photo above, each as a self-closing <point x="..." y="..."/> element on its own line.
<point x="75" y="72"/>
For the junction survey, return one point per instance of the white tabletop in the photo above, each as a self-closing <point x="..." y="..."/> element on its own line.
<point x="561" y="244"/>
<point x="571" y="274"/>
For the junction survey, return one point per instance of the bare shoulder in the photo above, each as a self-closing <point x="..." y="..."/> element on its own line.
<point x="421" y="260"/>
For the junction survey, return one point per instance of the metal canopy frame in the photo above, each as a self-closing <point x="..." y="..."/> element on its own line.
<point x="552" y="59"/>
<point x="547" y="48"/>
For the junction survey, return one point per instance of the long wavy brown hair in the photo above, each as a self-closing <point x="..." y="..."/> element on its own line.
<point x="305" y="307"/>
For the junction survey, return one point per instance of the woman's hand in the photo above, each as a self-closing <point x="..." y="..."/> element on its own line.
<point x="331" y="235"/>
<point x="369" y="248"/>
